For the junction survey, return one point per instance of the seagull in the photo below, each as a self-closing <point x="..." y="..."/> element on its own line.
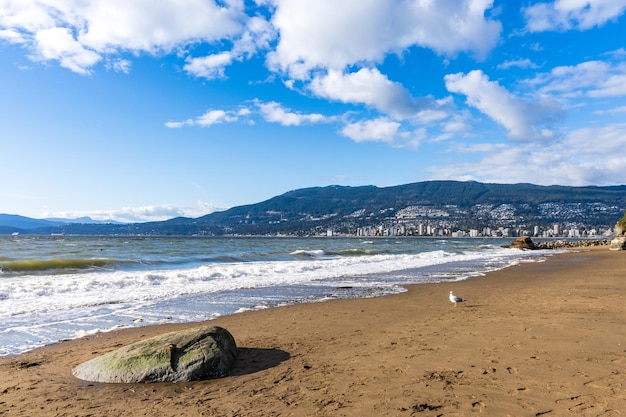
<point x="456" y="299"/>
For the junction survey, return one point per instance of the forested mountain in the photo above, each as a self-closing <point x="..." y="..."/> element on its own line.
<point x="343" y="209"/>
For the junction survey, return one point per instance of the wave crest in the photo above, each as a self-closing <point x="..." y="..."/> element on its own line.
<point x="34" y="265"/>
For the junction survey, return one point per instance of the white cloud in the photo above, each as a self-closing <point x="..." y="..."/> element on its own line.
<point x="524" y="120"/>
<point x="244" y="111"/>
<point x="209" y="118"/>
<point x="583" y="157"/>
<point x="600" y="142"/>
<point x="272" y="112"/>
<point x="59" y="44"/>
<point x="590" y="79"/>
<point x="323" y="34"/>
<point x="572" y="14"/>
<point x="26" y="17"/>
<point x="377" y="130"/>
<point x="519" y="63"/>
<point x="214" y="116"/>
<point x="366" y="86"/>
<point x="331" y="34"/>
<point x="120" y="65"/>
<point x="177" y="125"/>
<point x="79" y="33"/>
<point x="143" y="25"/>
<point x="619" y="109"/>
<point x="140" y="214"/>
<point x="275" y="113"/>
<point x="457" y="124"/>
<point x="257" y="35"/>
<point x="613" y="86"/>
<point x="434" y="110"/>
<point x="384" y="130"/>
<point x="11" y="36"/>
<point x="210" y="66"/>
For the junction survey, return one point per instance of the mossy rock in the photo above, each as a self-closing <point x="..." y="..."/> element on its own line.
<point x="188" y="355"/>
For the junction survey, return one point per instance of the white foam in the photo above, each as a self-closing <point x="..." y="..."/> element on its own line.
<point x="48" y="307"/>
<point x="51" y="293"/>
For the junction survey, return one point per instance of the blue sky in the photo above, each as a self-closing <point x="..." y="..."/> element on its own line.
<point x="141" y="110"/>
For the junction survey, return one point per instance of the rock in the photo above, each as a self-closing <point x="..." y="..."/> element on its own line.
<point x="560" y="244"/>
<point x="523" y="242"/>
<point x="188" y="355"/>
<point x="619" y="243"/>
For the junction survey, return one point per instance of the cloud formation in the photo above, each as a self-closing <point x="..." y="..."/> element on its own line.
<point x="210" y="118"/>
<point x="377" y="130"/>
<point x="524" y="120"/>
<point x="275" y="113"/>
<point x="564" y="15"/>
<point x="369" y="87"/>
<point x="272" y="112"/>
<point x="584" y="156"/>
<point x="594" y="79"/>
<point x="78" y="34"/>
<point x="312" y="38"/>
<point x="142" y="214"/>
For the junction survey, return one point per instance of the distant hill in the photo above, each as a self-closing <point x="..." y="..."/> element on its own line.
<point x="82" y="220"/>
<point x="25" y="223"/>
<point x="451" y="204"/>
<point x="22" y="223"/>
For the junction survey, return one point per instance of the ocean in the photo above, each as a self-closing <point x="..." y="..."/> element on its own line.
<point x="63" y="287"/>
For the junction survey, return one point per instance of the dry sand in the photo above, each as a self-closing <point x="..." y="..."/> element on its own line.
<point x="543" y="339"/>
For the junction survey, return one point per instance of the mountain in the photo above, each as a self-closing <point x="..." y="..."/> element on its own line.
<point x="449" y="205"/>
<point x="453" y="203"/>
<point x="10" y="223"/>
<point x="82" y="220"/>
<point x="25" y="223"/>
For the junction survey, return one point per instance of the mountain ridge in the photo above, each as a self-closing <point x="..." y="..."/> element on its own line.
<point x="22" y="223"/>
<point x="455" y="204"/>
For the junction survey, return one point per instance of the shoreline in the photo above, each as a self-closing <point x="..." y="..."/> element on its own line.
<point x="537" y="338"/>
<point x="162" y="289"/>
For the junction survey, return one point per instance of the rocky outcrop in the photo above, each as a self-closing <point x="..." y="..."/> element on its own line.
<point x="523" y="242"/>
<point x="619" y="243"/>
<point x="188" y="355"/>
<point x="561" y="244"/>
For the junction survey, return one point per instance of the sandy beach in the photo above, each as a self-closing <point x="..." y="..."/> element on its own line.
<point x="539" y="339"/>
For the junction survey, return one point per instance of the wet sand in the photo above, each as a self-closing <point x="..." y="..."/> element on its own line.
<point x="541" y="339"/>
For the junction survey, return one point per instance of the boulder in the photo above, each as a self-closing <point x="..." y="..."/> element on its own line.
<point x="619" y="243"/>
<point x="523" y="242"/>
<point x="187" y="355"/>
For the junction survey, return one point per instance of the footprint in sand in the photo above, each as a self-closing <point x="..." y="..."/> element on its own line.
<point x="478" y="406"/>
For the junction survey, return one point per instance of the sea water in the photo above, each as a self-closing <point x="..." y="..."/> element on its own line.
<point x="63" y="287"/>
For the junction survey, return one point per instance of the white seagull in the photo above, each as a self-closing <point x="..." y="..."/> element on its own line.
<point x="456" y="299"/>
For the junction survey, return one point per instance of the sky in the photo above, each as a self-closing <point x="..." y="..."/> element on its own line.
<point x="139" y="110"/>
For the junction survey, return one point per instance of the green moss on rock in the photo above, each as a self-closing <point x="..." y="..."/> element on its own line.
<point x="188" y="355"/>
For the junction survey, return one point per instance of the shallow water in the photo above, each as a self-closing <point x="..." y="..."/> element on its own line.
<point x="54" y="288"/>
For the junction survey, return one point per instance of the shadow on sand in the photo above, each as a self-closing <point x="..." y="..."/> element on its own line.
<point x="251" y="360"/>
